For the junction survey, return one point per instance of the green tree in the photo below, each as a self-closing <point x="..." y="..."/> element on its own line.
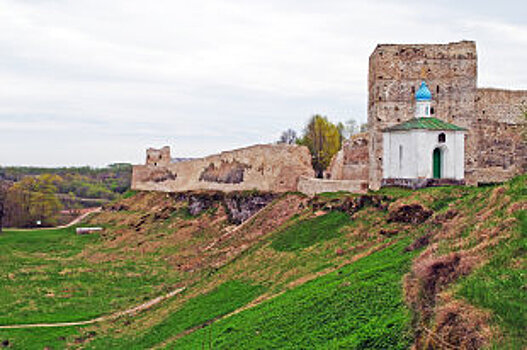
<point x="323" y="139"/>
<point x="33" y="199"/>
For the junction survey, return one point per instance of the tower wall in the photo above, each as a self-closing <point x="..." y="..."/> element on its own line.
<point x="158" y="157"/>
<point x="502" y="150"/>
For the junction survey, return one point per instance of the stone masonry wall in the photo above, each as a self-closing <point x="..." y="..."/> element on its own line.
<point x="352" y="161"/>
<point x="269" y="168"/>
<point x="395" y="72"/>
<point x="502" y="152"/>
<point x="312" y="186"/>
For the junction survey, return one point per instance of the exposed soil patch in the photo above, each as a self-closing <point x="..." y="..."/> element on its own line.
<point x="241" y="207"/>
<point x="389" y="233"/>
<point x="200" y="202"/>
<point x="350" y="204"/>
<point x="419" y="243"/>
<point x="446" y="216"/>
<point x="423" y="286"/>
<point x="409" y="213"/>
<point x="436" y="273"/>
<point x="458" y="326"/>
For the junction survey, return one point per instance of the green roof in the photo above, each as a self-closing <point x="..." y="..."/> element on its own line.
<point x="428" y="123"/>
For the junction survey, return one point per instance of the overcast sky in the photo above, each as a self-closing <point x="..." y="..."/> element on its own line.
<point x="95" y="82"/>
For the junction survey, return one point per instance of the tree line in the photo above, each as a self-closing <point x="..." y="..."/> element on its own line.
<point x="35" y="196"/>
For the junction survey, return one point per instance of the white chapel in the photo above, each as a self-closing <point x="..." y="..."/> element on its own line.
<point x="423" y="147"/>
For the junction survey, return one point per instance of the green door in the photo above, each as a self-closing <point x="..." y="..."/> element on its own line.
<point x="437" y="163"/>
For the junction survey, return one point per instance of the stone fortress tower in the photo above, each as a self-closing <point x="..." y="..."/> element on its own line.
<point x="494" y="150"/>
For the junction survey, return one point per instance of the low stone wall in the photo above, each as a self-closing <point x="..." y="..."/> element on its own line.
<point x="267" y="168"/>
<point x="311" y="186"/>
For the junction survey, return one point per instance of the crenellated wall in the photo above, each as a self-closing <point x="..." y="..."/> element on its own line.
<point x="268" y="168"/>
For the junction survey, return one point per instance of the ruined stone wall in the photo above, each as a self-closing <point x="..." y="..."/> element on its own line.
<point x="352" y="161"/>
<point x="158" y="157"/>
<point x="272" y="168"/>
<point x="502" y="152"/>
<point x="395" y="72"/>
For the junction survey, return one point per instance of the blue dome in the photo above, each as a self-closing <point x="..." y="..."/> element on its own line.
<point x="423" y="94"/>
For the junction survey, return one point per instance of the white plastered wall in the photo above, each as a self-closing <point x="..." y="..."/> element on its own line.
<point x="416" y="160"/>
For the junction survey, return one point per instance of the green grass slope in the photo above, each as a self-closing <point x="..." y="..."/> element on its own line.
<point x="321" y="273"/>
<point x="360" y="306"/>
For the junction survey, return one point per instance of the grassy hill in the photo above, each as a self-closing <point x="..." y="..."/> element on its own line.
<point x="436" y="268"/>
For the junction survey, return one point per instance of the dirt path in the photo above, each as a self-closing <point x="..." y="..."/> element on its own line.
<point x="69" y="224"/>
<point x="131" y="311"/>
<point x="80" y="218"/>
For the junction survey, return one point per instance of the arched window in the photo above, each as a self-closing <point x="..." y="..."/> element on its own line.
<point x="431" y="110"/>
<point x="441" y="138"/>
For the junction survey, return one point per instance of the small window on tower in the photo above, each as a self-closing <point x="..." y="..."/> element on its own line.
<point x="431" y="110"/>
<point x="442" y="138"/>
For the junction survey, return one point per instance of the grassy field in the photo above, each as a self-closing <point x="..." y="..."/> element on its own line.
<point x="324" y="295"/>
<point x="45" y="278"/>
<point x="220" y="301"/>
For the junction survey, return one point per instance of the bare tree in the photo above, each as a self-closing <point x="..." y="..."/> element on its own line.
<point x="289" y="137"/>
<point x="363" y="127"/>
<point x="3" y="192"/>
<point x="351" y="127"/>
